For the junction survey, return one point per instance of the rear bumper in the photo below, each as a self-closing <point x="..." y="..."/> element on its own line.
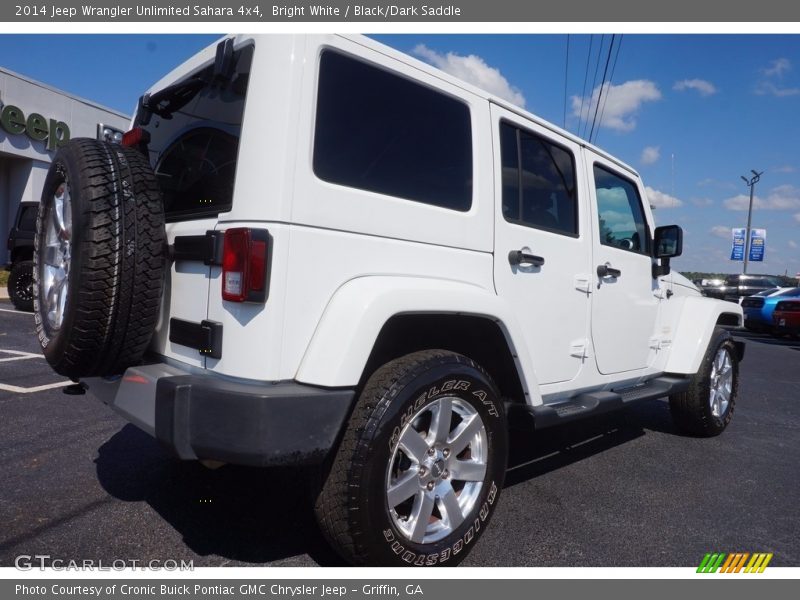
<point x="202" y="416"/>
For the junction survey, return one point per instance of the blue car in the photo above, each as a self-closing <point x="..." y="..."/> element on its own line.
<point x="758" y="308"/>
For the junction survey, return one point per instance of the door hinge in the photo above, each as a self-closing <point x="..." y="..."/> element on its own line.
<point x="580" y="349"/>
<point x="657" y="343"/>
<point x="205" y="337"/>
<point x="583" y="283"/>
<point x="206" y="248"/>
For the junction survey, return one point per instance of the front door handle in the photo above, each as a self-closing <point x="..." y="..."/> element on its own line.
<point x="607" y="271"/>
<point x="523" y="259"/>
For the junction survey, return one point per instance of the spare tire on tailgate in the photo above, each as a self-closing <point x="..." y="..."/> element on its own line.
<point x="99" y="259"/>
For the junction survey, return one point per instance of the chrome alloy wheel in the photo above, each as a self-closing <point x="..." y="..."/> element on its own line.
<point x="436" y="471"/>
<point x="56" y="256"/>
<point x="721" y="384"/>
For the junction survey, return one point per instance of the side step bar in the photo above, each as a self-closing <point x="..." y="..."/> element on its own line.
<point x="592" y="403"/>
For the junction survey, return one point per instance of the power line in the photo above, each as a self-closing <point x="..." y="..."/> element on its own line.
<point x="594" y="83"/>
<point x="602" y="84"/>
<point x="610" y="81"/>
<point x="566" y="73"/>
<point x="585" y="77"/>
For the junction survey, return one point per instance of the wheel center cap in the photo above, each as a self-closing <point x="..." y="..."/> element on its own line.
<point x="437" y="468"/>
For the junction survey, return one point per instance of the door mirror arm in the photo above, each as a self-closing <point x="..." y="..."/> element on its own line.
<point x="662" y="269"/>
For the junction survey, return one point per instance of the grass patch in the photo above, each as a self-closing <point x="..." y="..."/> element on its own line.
<point x="4" y="277"/>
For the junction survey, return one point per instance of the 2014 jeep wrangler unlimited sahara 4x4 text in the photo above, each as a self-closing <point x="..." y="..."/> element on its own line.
<point x="314" y="250"/>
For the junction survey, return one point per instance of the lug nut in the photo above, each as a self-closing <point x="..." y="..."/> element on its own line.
<point x="431" y="451"/>
<point x="445" y="474"/>
<point x="422" y="471"/>
<point x="430" y="486"/>
<point x="446" y="452"/>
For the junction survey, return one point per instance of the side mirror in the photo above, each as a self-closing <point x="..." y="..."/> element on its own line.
<point x="667" y="242"/>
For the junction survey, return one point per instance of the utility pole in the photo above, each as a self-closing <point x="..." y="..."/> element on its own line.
<point x="751" y="183"/>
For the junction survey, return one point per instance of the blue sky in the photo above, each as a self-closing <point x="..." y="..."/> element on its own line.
<point x="691" y="113"/>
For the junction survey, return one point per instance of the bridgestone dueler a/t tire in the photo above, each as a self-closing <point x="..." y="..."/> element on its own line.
<point x="352" y="507"/>
<point x="116" y="263"/>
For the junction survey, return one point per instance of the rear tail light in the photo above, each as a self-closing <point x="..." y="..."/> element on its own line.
<point x="788" y="307"/>
<point x="135" y="137"/>
<point x="245" y="260"/>
<point x="751" y="302"/>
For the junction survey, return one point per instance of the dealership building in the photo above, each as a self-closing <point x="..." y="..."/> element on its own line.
<point x="35" y="119"/>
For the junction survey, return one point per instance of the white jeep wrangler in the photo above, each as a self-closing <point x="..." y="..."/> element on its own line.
<point x="315" y="250"/>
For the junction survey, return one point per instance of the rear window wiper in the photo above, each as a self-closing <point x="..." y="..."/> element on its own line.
<point x="172" y="98"/>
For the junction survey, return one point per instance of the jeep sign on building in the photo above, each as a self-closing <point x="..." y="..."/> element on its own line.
<point x="35" y="120"/>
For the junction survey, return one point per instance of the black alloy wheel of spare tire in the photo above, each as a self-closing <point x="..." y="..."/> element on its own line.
<point x="419" y="471"/>
<point x="20" y="285"/>
<point x="99" y="259"/>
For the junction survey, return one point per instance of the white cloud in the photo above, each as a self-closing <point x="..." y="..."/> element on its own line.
<point x="767" y="88"/>
<point x="618" y="221"/>
<point x="783" y="169"/>
<point x="701" y="86"/>
<point x="778" y="67"/>
<point x="472" y="69"/>
<point x="792" y="244"/>
<point x="702" y="202"/>
<point x="621" y="103"/>
<point x="776" y="70"/>
<point x="721" y="231"/>
<point x="661" y="200"/>
<point x="797" y="217"/>
<point x="784" y="197"/>
<point x="650" y="155"/>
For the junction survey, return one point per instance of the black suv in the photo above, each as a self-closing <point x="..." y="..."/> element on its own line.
<point x="20" y="253"/>
<point x="739" y="286"/>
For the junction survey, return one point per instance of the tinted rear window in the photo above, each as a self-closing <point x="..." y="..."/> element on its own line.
<point x="380" y="132"/>
<point x="27" y="218"/>
<point x="194" y="149"/>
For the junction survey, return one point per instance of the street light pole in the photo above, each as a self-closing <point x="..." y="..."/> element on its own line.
<point x="751" y="183"/>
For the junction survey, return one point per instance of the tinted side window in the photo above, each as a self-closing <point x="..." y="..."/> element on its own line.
<point x="621" y="217"/>
<point x="538" y="182"/>
<point x="383" y="133"/>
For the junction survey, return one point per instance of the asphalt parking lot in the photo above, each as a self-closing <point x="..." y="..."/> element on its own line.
<point x="77" y="482"/>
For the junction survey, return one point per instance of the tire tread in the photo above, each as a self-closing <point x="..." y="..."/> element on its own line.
<point x="337" y="504"/>
<point x="122" y="259"/>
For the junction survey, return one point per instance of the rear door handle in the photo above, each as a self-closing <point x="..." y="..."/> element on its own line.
<point x="607" y="271"/>
<point x="520" y="259"/>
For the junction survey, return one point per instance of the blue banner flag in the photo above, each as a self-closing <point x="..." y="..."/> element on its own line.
<point x="758" y="244"/>
<point x="737" y="252"/>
